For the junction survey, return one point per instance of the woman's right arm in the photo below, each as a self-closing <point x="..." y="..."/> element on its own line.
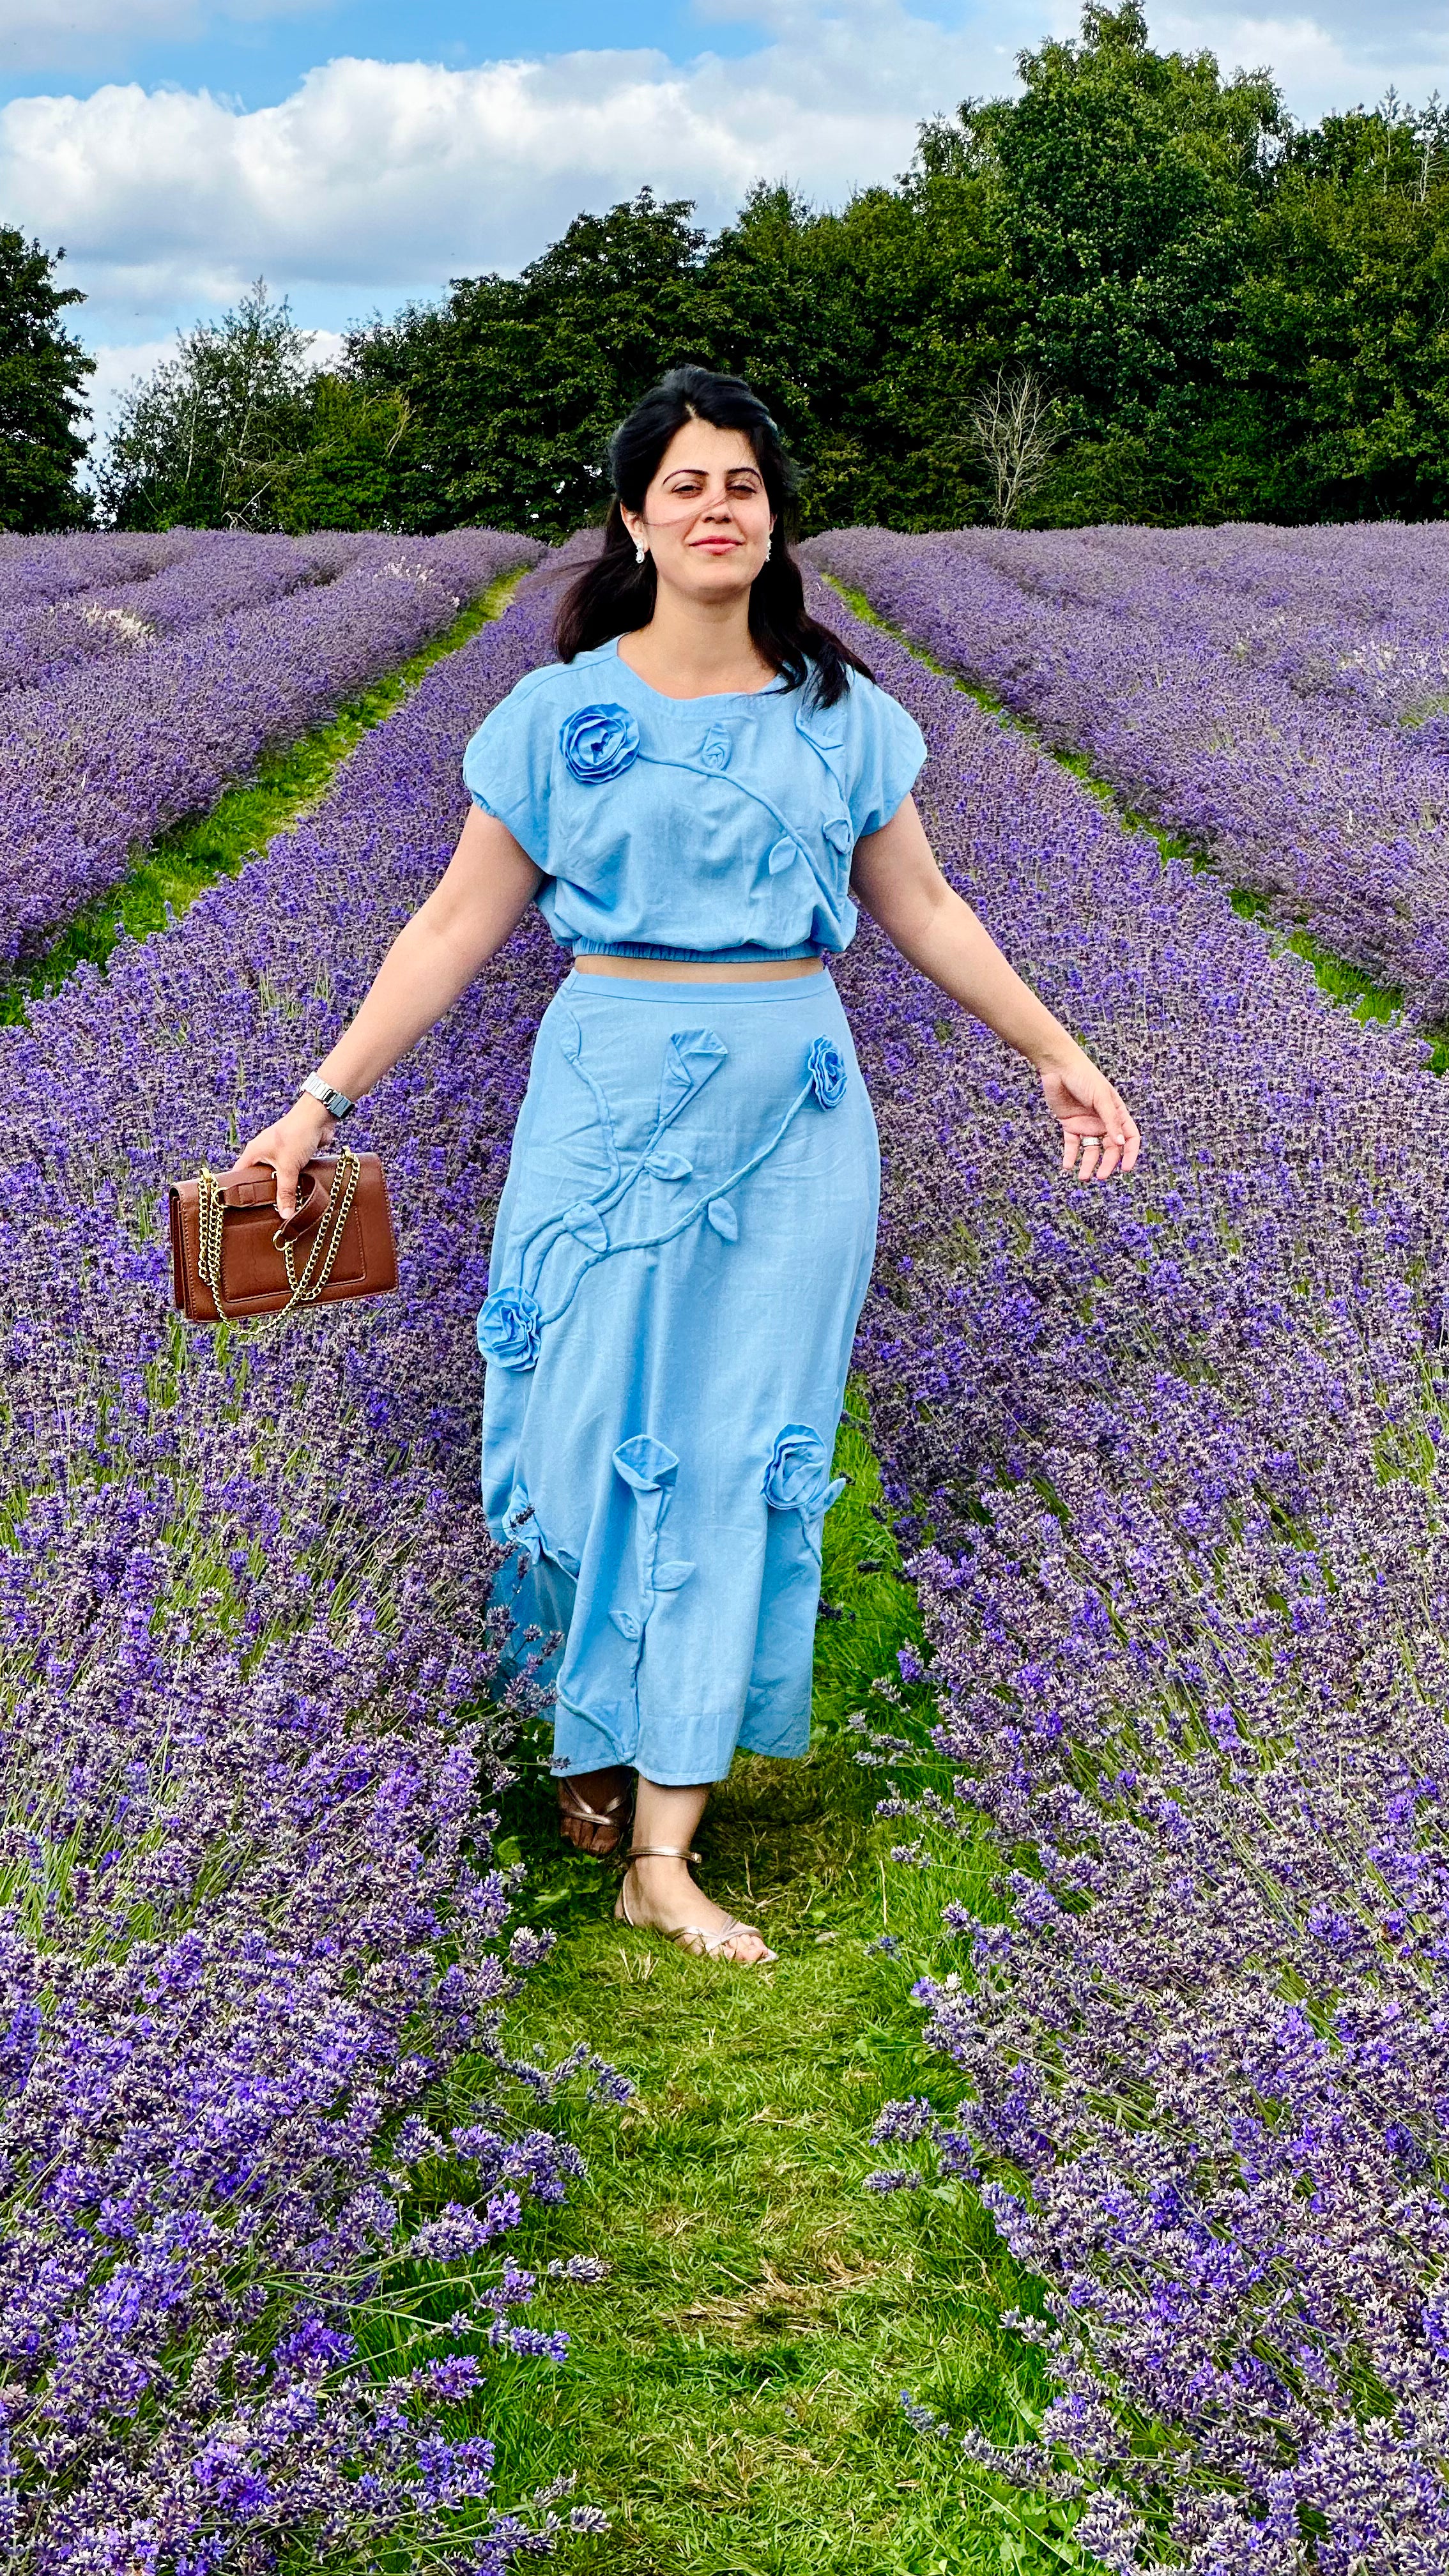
<point x="475" y="906"/>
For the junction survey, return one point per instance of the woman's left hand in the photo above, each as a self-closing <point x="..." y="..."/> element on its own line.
<point x="1096" y="1121"/>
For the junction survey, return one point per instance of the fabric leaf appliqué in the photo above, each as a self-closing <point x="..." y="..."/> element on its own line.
<point x="669" y="1576"/>
<point x="722" y="1217"/>
<point x="586" y="1224"/>
<point x="691" y="1056"/>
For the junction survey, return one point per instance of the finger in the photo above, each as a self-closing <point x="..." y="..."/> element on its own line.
<point x="1070" y="1143"/>
<point x="286" y="1173"/>
<point x="1091" y="1146"/>
<point x="1119" y="1146"/>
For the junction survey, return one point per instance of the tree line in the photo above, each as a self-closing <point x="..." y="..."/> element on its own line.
<point x="1139" y="290"/>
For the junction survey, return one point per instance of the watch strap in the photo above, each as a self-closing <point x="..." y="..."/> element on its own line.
<point x="335" y="1102"/>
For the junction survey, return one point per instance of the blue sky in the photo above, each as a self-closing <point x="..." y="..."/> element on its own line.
<point x="259" y="58"/>
<point x="357" y="154"/>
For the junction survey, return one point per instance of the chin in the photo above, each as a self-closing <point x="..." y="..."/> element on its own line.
<point x="719" y="576"/>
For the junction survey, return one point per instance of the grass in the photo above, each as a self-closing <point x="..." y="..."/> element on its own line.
<point x="173" y="869"/>
<point x="1343" y="983"/>
<point x="732" y="2395"/>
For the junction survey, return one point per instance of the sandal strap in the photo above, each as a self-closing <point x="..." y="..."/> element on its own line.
<point x="709" y="1942"/>
<point x="580" y="1809"/>
<point x="659" y="1851"/>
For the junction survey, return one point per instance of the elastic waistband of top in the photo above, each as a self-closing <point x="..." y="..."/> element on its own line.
<point x="752" y="954"/>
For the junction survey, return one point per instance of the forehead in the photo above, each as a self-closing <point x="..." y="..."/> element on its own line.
<point x="708" y="450"/>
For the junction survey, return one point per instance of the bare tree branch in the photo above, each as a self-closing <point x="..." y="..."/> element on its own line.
<point x="1016" y="427"/>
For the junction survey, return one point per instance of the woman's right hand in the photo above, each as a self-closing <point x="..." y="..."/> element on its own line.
<point x="289" y="1143"/>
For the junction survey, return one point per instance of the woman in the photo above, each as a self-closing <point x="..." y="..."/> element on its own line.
<point x="696" y="796"/>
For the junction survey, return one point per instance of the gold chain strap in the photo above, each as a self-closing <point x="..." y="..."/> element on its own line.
<point x="326" y="1242"/>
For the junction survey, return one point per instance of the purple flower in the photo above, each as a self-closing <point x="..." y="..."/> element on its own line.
<point x="599" y="743"/>
<point x="207" y="2119"/>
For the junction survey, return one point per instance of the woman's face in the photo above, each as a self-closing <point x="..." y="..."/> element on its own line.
<point x="706" y="517"/>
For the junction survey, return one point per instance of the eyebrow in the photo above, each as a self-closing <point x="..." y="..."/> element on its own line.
<point x="704" y="470"/>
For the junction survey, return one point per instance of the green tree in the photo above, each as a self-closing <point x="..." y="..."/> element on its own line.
<point x="1127" y="185"/>
<point x="867" y="332"/>
<point x="514" y="384"/>
<point x="1341" y="359"/>
<point x="1217" y="314"/>
<point x="42" y="379"/>
<point x="344" y="473"/>
<point x="210" y="437"/>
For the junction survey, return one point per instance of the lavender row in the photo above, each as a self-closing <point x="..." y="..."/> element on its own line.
<point x="221" y="571"/>
<point x="1339" y="820"/>
<point x="254" y="1726"/>
<point x="1358" y="613"/>
<point x="34" y="571"/>
<point x="106" y="757"/>
<point x="1176" y="1455"/>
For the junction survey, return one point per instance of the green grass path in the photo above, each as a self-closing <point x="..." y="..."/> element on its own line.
<point x="732" y="2396"/>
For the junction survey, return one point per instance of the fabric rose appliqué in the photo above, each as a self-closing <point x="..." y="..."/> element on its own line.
<point x="510" y="1327"/>
<point x="828" y="1078"/>
<point x="798" y="1479"/>
<point x="599" y="743"/>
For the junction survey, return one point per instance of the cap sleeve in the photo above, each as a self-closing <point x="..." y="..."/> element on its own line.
<point x="507" y="763"/>
<point x="885" y="752"/>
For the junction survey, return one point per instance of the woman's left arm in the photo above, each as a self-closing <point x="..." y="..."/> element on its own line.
<point x="896" y="880"/>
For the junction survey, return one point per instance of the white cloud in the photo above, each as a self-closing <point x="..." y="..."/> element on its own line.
<point x="1334" y="58"/>
<point x="377" y="175"/>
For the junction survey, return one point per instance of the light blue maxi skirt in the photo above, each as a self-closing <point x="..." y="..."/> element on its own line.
<point x="683" y="1244"/>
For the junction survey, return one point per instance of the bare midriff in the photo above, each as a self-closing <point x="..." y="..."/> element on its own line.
<point x="682" y="970"/>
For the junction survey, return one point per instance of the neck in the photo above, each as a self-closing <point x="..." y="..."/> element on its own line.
<point x="693" y="648"/>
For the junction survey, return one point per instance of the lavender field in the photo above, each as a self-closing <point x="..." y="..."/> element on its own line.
<point x="129" y="703"/>
<point x="1170" y="1460"/>
<point x="1277" y="697"/>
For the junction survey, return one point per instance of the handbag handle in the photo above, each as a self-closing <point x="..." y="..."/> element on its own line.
<point x="217" y="1191"/>
<point x="249" y="1185"/>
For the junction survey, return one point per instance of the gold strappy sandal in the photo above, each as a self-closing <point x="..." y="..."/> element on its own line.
<point x="689" y="1936"/>
<point x="613" y="1819"/>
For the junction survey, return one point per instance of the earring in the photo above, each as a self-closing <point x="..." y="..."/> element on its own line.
<point x="638" y="552"/>
<point x="769" y="541"/>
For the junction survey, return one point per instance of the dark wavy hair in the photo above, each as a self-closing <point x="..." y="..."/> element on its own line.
<point x="614" y="594"/>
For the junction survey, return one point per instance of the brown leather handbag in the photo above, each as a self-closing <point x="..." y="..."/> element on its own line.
<point x="230" y="1259"/>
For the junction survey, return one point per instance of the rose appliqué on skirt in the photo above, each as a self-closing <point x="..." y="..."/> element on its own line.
<point x="510" y="1328"/>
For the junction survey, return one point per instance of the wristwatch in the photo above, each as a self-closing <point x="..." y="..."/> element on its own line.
<point x="336" y="1102"/>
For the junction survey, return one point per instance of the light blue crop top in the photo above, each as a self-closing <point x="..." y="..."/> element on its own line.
<point x="715" y="827"/>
